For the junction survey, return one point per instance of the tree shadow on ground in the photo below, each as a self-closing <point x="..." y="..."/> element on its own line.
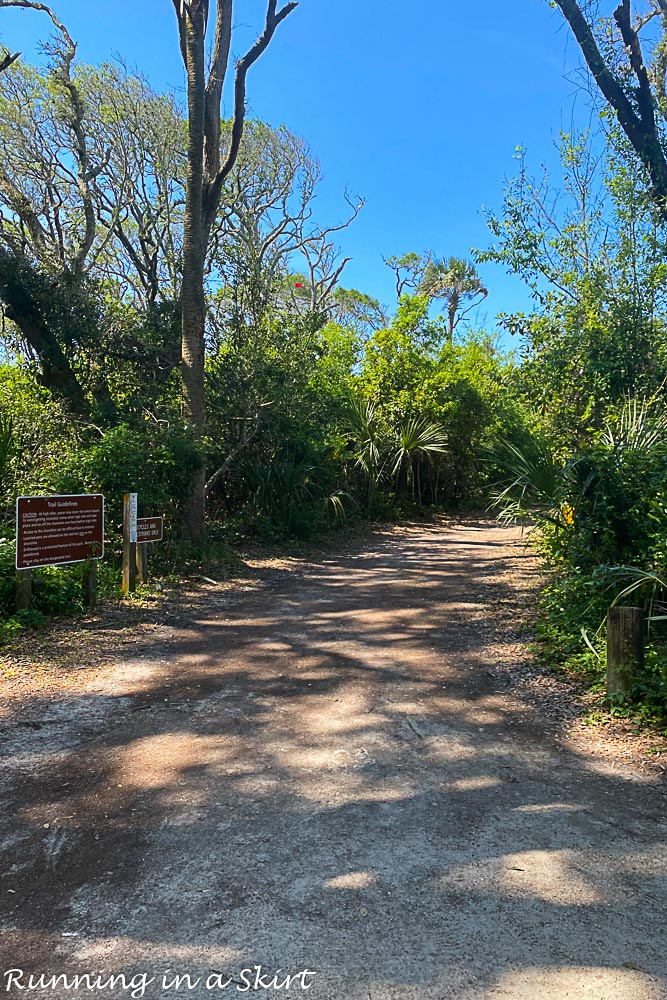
<point x="324" y="774"/>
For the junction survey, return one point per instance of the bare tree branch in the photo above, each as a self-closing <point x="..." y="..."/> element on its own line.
<point x="7" y="60"/>
<point x="622" y="16"/>
<point x="250" y="428"/>
<point x="179" y="7"/>
<point x="33" y="5"/>
<point x="638" y="122"/>
<point x="216" y="80"/>
<point x="213" y="185"/>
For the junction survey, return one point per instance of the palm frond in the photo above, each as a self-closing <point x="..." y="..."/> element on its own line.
<point x="416" y="437"/>
<point x="533" y="483"/>
<point x="640" y="427"/>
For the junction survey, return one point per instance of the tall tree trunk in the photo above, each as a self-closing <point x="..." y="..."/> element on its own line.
<point x="193" y="305"/>
<point x="205" y="178"/>
<point x="454" y="303"/>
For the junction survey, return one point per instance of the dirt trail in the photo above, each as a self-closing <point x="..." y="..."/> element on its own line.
<point x="327" y="773"/>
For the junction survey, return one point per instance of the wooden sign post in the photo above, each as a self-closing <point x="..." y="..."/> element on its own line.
<point x="149" y="529"/>
<point x="625" y="648"/>
<point x="23" y="589"/>
<point x="89" y="583"/>
<point x="142" y="562"/>
<point x="129" y="543"/>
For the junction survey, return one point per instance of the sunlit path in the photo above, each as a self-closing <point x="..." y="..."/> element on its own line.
<point x="322" y="774"/>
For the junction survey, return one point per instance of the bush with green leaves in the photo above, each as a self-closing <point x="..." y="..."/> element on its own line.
<point x="150" y="460"/>
<point x="413" y="372"/>
<point x="602" y="505"/>
<point x="603" y="521"/>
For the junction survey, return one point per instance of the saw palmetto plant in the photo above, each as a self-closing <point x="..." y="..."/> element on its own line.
<point x="418" y="438"/>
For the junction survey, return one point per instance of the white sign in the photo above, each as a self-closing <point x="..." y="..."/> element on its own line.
<point x="133" y="517"/>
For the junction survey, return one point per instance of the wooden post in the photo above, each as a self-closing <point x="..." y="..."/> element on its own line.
<point x="625" y="648"/>
<point x="89" y="583"/>
<point x="142" y="562"/>
<point x="129" y="546"/>
<point x="23" y="589"/>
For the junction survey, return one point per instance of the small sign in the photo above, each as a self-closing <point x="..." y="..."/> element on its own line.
<point x="150" y="529"/>
<point x="133" y="516"/>
<point x="53" y="531"/>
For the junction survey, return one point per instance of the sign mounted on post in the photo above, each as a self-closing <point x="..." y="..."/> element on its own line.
<point x="150" y="529"/>
<point x="52" y="531"/>
<point x="133" y="516"/>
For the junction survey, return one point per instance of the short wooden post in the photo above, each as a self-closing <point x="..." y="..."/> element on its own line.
<point x="23" y="589"/>
<point x="129" y="548"/>
<point x="89" y="583"/>
<point x="625" y="648"/>
<point x="142" y="562"/>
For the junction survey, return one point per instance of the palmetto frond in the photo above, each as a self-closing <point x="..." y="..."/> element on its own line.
<point x="639" y="428"/>
<point x="535" y="483"/>
<point x="367" y="436"/>
<point x="442" y="276"/>
<point x="416" y="437"/>
<point x="457" y="283"/>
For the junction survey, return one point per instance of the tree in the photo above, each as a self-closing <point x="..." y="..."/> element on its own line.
<point x="451" y="279"/>
<point x="266" y="224"/>
<point x="206" y="175"/>
<point x="42" y="260"/>
<point x="88" y="260"/>
<point x="140" y="137"/>
<point x="457" y="283"/>
<point x="356" y="311"/>
<point x="408" y="270"/>
<point x="634" y="86"/>
<point x="71" y="123"/>
<point x="588" y="245"/>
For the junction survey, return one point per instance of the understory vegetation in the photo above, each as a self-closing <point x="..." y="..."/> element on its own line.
<point x="591" y="476"/>
<point x="322" y="405"/>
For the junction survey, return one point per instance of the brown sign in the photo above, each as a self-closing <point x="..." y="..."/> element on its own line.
<point x="150" y="529"/>
<point x="51" y="531"/>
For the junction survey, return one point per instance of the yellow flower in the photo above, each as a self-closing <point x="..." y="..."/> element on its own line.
<point x="568" y="513"/>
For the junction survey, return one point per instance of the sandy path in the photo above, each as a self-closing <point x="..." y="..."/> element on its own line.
<point x="325" y="774"/>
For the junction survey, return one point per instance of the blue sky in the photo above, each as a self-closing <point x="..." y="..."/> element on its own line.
<point x="418" y="109"/>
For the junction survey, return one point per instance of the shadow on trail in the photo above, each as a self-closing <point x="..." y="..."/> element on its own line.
<point x="326" y="775"/>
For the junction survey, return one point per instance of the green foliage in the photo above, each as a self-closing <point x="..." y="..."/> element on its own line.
<point x="589" y="248"/>
<point x="412" y="372"/>
<point x="151" y="460"/>
<point x="417" y="439"/>
<point x="602" y="502"/>
<point x="295" y="495"/>
<point x="593" y="371"/>
<point x="603" y="517"/>
<point x="576" y="603"/>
